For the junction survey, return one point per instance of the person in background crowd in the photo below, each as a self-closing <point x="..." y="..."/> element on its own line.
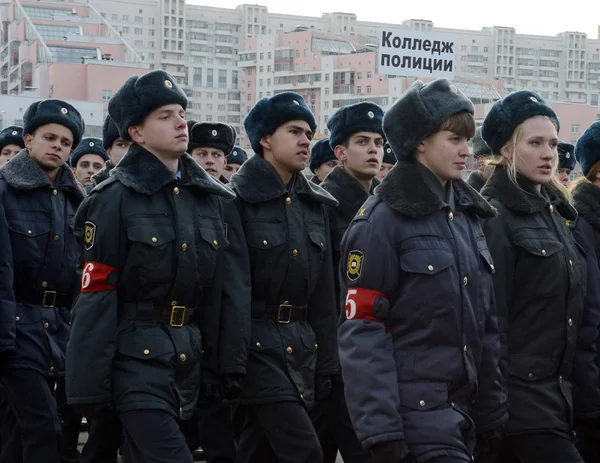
<point x="211" y="143"/>
<point x="87" y="160"/>
<point x="155" y="318"/>
<point x="356" y="136"/>
<point x="482" y="154"/>
<point x="38" y="281"/>
<point x="566" y="162"/>
<point x="114" y="145"/>
<point x="293" y="352"/>
<point x="11" y="142"/>
<point x="540" y="279"/>
<point x="418" y="341"/>
<point x="389" y="159"/>
<point x="235" y="160"/>
<point x="322" y="160"/>
<point x="586" y="371"/>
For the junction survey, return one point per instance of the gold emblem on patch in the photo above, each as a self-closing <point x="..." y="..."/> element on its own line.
<point x="168" y="84"/>
<point x="362" y="211"/>
<point x="89" y="235"/>
<point x="354" y="265"/>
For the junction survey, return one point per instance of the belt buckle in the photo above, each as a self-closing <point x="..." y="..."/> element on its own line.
<point x="287" y="306"/>
<point x="52" y="304"/>
<point x="176" y="321"/>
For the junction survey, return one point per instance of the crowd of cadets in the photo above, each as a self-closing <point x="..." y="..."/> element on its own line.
<point x="180" y="295"/>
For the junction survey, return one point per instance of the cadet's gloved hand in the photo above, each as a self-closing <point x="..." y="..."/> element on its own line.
<point x="390" y="452"/>
<point x="212" y="391"/>
<point x="322" y="387"/>
<point x="233" y="385"/>
<point x="488" y="445"/>
<point x="95" y="411"/>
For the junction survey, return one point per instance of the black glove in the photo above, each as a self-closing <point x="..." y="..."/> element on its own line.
<point x="488" y="445"/>
<point x="212" y="391"/>
<point x="95" y="411"/>
<point x="322" y="387"/>
<point x="233" y="385"/>
<point x="390" y="452"/>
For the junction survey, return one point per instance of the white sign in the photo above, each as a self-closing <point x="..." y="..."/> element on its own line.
<point x="416" y="54"/>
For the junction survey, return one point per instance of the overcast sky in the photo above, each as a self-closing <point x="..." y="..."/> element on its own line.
<point x="527" y="16"/>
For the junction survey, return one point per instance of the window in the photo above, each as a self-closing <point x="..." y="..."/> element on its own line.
<point x="249" y="84"/>
<point x="114" y="17"/>
<point x="150" y="55"/>
<point x="151" y="32"/>
<point x="106" y="95"/>
<point x="221" y="107"/>
<point x="209" y="78"/>
<point x="463" y="48"/>
<point x="138" y="44"/>
<point x="138" y="31"/>
<point x="268" y="82"/>
<point x="261" y="82"/>
<point x="358" y="89"/>
<point x="575" y="128"/>
<point x="139" y="20"/>
<point x="260" y="68"/>
<point x="209" y="106"/>
<point x="260" y="94"/>
<point x="269" y="68"/>
<point x="125" y="30"/>
<point x="52" y="32"/>
<point x="359" y="75"/>
<point x="485" y="49"/>
<point x="234" y="79"/>
<point x="209" y="95"/>
<point x="125" y="18"/>
<point x="72" y="54"/>
<point x="262" y="56"/>
<point x="222" y="78"/>
<point x="326" y="77"/>
<point x="222" y="119"/>
<point x="222" y="96"/>
<point x="368" y="89"/>
<point x="369" y="75"/>
<point x="249" y="96"/>
<point x="197" y="76"/>
<point x="151" y="45"/>
<point x="326" y="91"/>
<point x="327" y="105"/>
<point x="209" y="118"/>
<point x="269" y="55"/>
<point x="151" y="20"/>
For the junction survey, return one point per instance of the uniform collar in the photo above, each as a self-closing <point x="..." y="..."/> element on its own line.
<point x="347" y="190"/>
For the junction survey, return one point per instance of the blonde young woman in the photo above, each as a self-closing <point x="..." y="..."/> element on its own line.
<point x="586" y="394"/>
<point x="539" y="281"/>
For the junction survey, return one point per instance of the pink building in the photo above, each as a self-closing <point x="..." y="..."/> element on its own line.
<point x="62" y="50"/>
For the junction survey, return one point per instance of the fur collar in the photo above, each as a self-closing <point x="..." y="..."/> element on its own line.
<point x="257" y="181"/>
<point x="23" y="173"/>
<point x="349" y="193"/>
<point x="143" y="172"/>
<point x="103" y="173"/>
<point x="586" y="199"/>
<point x="525" y="199"/>
<point x="405" y="191"/>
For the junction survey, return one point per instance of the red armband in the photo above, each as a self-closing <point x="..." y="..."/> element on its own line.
<point x="95" y="277"/>
<point x="360" y="304"/>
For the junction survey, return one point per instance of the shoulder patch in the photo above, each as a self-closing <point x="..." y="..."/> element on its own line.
<point x="89" y="235"/>
<point x="354" y="265"/>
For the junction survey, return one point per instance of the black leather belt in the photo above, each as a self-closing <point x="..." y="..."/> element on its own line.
<point x="47" y="299"/>
<point x="286" y="313"/>
<point x="175" y="316"/>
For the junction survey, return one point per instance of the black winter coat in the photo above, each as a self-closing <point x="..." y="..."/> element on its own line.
<point x="540" y="285"/>
<point x="419" y="343"/>
<point x="586" y="372"/>
<point x="293" y="302"/>
<point x="476" y="180"/>
<point x="154" y="243"/>
<point x="38" y="258"/>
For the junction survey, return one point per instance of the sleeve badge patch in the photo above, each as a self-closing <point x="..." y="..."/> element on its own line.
<point x="354" y="265"/>
<point x="89" y="235"/>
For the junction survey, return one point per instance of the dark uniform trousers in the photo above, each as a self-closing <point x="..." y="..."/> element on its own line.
<point x="539" y="448"/>
<point x="277" y="432"/>
<point x="70" y="423"/>
<point x="215" y="430"/>
<point x="104" y="440"/>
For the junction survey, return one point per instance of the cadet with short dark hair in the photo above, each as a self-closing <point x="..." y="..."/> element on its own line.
<point x="235" y="160"/>
<point x="11" y="143"/>
<point x="155" y="317"/>
<point x="87" y="160"/>
<point x="114" y="145"/>
<point x="210" y="144"/>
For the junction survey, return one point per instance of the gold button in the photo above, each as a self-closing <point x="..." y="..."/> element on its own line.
<point x="182" y="357"/>
<point x="316" y="346"/>
<point x="422" y="403"/>
<point x="44" y="284"/>
<point x="176" y="190"/>
<point x="530" y="375"/>
<point x="146" y="352"/>
<point x="493" y="268"/>
<point x="321" y="244"/>
<point x="430" y="268"/>
<point x="465" y="281"/>
<point x="215" y="242"/>
<point x="46" y="325"/>
<point x="51" y="369"/>
<point x="55" y="192"/>
<point x="29" y="232"/>
<point x="154" y="239"/>
<point x="570" y="322"/>
<point x="265" y="242"/>
<point x="17" y="318"/>
<point x="302" y="396"/>
<point x="258" y="344"/>
<point x="570" y="262"/>
<point x="551" y="208"/>
<point x="289" y="350"/>
<point x="451" y="216"/>
<point x="465" y="349"/>
<point x="295" y="252"/>
<point x="184" y="247"/>
<point x="543" y="252"/>
<point x="56" y="238"/>
<point x="288" y="200"/>
<point x="173" y="303"/>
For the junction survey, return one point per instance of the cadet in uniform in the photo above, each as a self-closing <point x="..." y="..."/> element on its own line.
<point x="235" y="160"/>
<point x="212" y="142"/>
<point x="87" y="160"/>
<point x="159" y="244"/>
<point x="418" y="343"/>
<point x="11" y="143"/>
<point x="322" y="160"/>
<point x="482" y="154"/>
<point x="586" y="370"/>
<point x="114" y="145"/>
<point x="38" y="279"/>
<point x="293" y="347"/>
<point x="566" y="162"/>
<point x="389" y="159"/>
<point x="540" y="279"/>
<point x="356" y="136"/>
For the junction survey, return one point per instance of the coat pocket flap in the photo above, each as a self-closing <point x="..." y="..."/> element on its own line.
<point x="152" y="236"/>
<point x="318" y="238"/>
<point x="540" y="248"/>
<point x="29" y="228"/>
<point x="265" y="238"/>
<point x="423" y="396"/>
<point x="532" y="368"/>
<point x="145" y="346"/>
<point x="426" y="261"/>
